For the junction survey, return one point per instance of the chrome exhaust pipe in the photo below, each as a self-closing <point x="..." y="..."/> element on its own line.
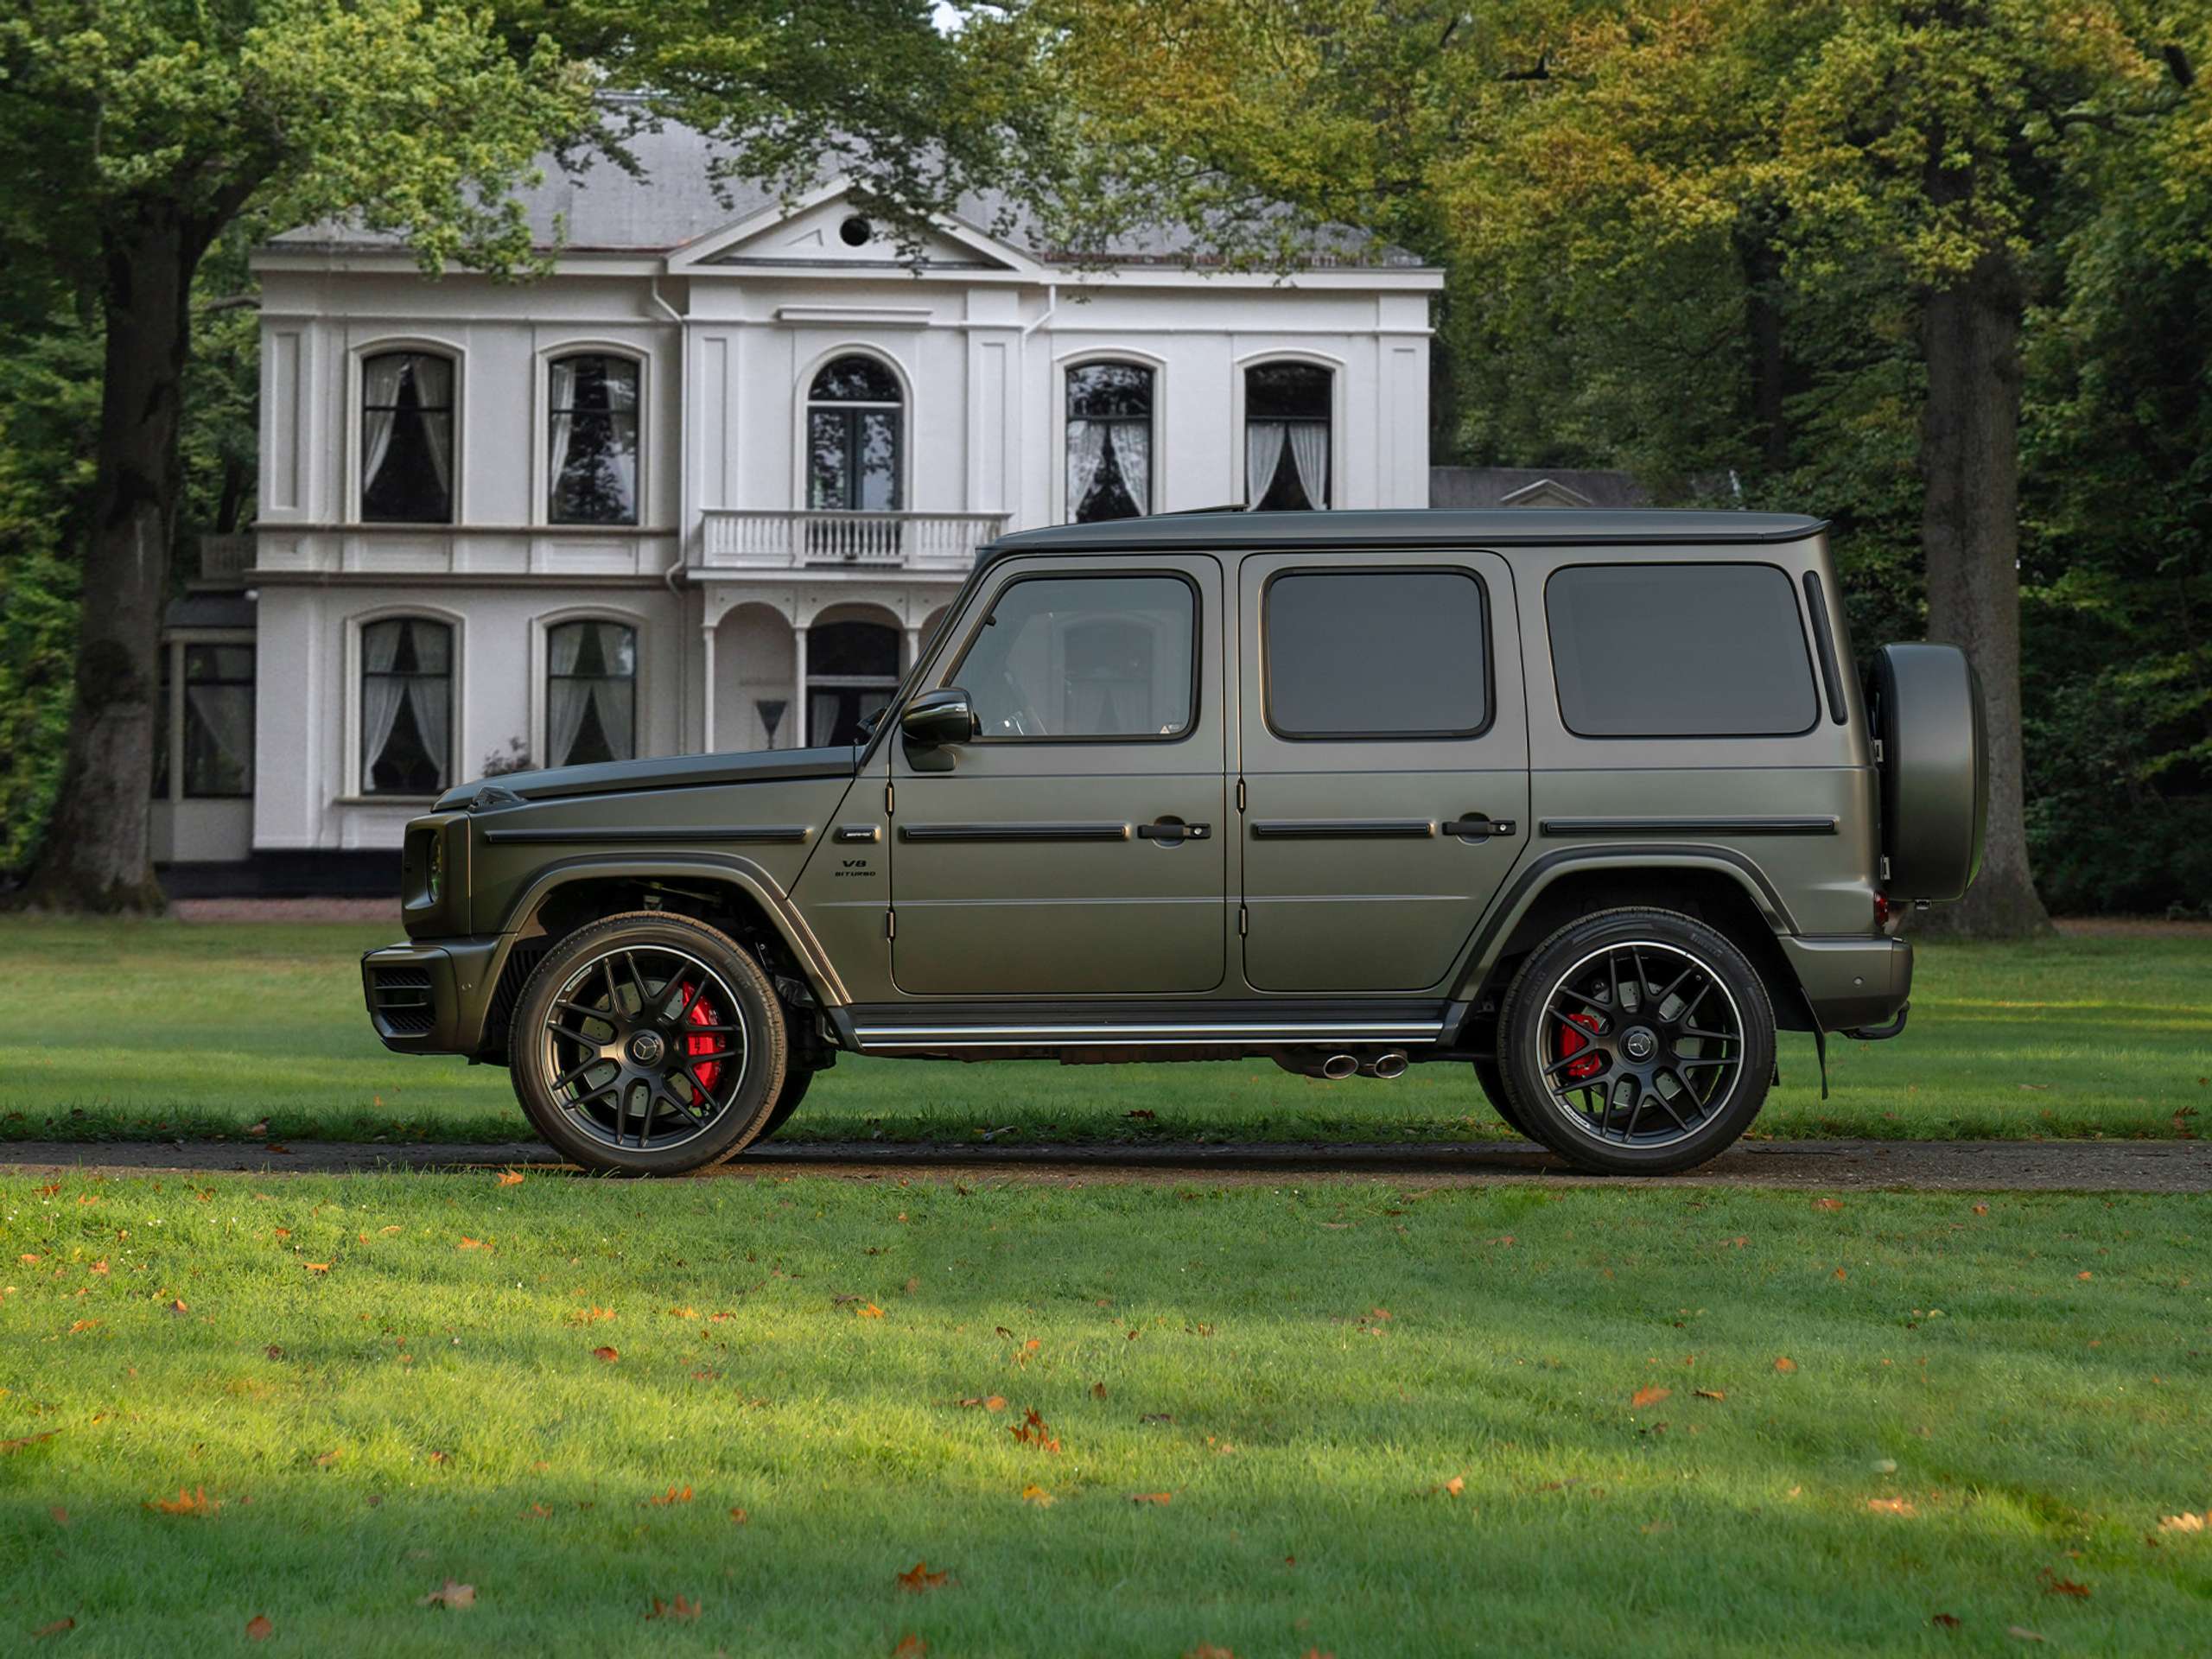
<point x="1338" y="1067"/>
<point x="1387" y="1066"/>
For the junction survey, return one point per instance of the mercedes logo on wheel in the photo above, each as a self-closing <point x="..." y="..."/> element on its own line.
<point x="1638" y="1044"/>
<point x="645" y="1048"/>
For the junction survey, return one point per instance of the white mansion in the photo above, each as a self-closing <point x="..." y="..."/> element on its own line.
<point x="710" y="482"/>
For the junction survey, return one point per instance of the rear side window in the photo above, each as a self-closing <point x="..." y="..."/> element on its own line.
<point x="1679" y="650"/>
<point x="1375" y="654"/>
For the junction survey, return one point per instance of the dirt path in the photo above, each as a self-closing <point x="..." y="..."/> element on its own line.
<point x="1924" y="1165"/>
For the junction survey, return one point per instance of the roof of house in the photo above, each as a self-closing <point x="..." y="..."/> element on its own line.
<point x="675" y="198"/>
<point x="1412" y="527"/>
<point x="1533" y="486"/>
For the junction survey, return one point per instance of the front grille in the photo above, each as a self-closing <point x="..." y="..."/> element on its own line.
<point x="399" y="998"/>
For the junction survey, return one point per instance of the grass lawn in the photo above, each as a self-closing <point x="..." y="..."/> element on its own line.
<point x="1513" y="1420"/>
<point x="136" y="1029"/>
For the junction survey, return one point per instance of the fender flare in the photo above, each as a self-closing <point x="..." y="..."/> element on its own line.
<point x="725" y="869"/>
<point x="1527" y="887"/>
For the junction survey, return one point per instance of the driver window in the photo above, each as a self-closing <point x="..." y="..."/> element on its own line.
<point x="1084" y="656"/>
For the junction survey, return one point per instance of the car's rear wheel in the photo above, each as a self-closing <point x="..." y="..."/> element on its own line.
<point x="1488" y="1074"/>
<point x="797" y="1080"/>
<point x="1636" y="1042"/>
<point x="648" y="1045"/>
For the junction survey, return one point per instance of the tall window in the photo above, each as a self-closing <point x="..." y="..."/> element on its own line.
<point x="1287" y="436"/>
<point x="854" y="430"/>
<point x="852" y="670"/>
<point x="406" y="706"/>
<point x="1109" y="441"/>
<point x="217" y="722"/>
<point x="407" y="439"/>
<point x="591" y="693"/>
<point x="595" y="440"/>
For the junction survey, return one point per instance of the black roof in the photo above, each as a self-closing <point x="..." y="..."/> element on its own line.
<point x="1411" y="527"/>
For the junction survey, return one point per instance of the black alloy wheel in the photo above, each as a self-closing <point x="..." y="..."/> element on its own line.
<point x="648" y="1044"/>
<point x="1637" y="1041"/>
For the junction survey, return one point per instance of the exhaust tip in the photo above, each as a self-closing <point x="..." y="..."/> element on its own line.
<point x="1392" y="1065"/>
<point x="1338" y="1067"/>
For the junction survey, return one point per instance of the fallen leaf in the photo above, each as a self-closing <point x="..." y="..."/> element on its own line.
<point x="590" y="1315"/>
<point x="2023" y="1633"/>
<point x="1033" y="1430"/>
<point x="10" y="1447"/>
<point x="1828" y="1204"/>
<point x="1456" y="1485"/>
<point x="178" y="1306"/>
<point x="606" y="1354"/>
<point x="329" y="1457"/>
<point x="458" y="1596"/>
<point x="1207" y="1650"/>
<point x="1038" y="1496"/>
<point x="274" y="1351"/>
<point x="389" y="1229"/>
<point x="680" y="1608"/>
<point x="60" y="1515"/>
<point x="318" y="1267"/>
<point x="684" y="1313"/>
<point x="871" y="1311"/>
<point x="919" y="1577"/>
<point x="536" y="1512"/>
<point x="2185" y="1523"/>
<point x="1981" y="1209"/>
<point x="468" y="1243"/>
<point x="510" y="1177"/>
<point x="1098" y="1390"/>
<point x="2055" y="1585"/>
<point x="1785" y="1364"/>
<point x="1651" y="1397"/>
<point x="739" y="1516"/>
<point x="55" y="1628"/>
<point x="84" y="1325"/>
<point x="1710" y="1394"/>
<point x="910" y="1647"/>
<point x="1891" y="1506"/>
<point x="1152" y="1497"/>
<point x="196" y="1502"/>
<point x="672" y="1496"/>
<point x="1947" y="1621"/>
<point x="258" y="1628"/>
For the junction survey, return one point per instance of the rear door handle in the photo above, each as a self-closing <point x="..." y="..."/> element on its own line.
<point x="1478" y="828"/>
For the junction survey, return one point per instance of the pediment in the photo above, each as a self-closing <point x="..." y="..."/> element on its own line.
<point x="824" y="232"/>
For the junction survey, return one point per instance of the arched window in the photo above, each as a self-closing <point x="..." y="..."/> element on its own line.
<point x="855" y="437"/>
<point x="591" y="693"/>
<point x="407" y="438"/>
<point x="1287" y="436"/>
<point x="1109" y="441"/>
<point x="852" y="670"/>
<point x="594" y="460"/>
<point x="406" y="706"/>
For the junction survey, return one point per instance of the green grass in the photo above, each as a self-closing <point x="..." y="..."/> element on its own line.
<point x="1303" y="1372"/>
<point x="138" y="1029"/>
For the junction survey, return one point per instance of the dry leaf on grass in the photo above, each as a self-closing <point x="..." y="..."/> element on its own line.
<point x="1710" y="1394"/>
<point x="1152" y="1497"/>
<point x="919" y="1577"/>
<point x="2185" y="1523"/>
<point x="317" y="1267"/>
<point x="196" y="1502"/>
<point x="510" y="1177"/>
<point x="680" y="1608"/>
<point x="258" y="1628"/>
<point x="468" y="1243"/>
<point x="672" y="1496"/>
<point x="55" y="1628"/>
<point x="1038" y="1496"/>
<point x="1891" y="1506"/>
<point x="606" y="1354"/>
<point x="2022" y="1633"/>
<point x="1785" y="1364"/>
<point x="739" y="1516"/>
<point x="1033" y="1430"/>
<point x="10" y="1447"/>
<point x="1828" y="1204"/>
<point x="1945" y="1621"/>
<point x="1207" y="1650"/>
<point x="2055" y="1585"/>
<point x="910" y="1646"/>
<point x="1651" y="1397"/>
<point x="450" y="1595"/>
<point x="871" y="1311"/>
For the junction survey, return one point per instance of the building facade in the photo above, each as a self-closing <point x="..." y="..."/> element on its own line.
<point x="709" y="483"/>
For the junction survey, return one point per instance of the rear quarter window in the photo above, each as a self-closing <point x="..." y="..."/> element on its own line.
<point x="1679" y="650"/>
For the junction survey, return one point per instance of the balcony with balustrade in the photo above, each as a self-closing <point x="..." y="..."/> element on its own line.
<point x="745" y="539"/>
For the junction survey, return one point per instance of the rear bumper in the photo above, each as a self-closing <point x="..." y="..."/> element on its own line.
<point x="430" y="998"/>
<point x="1853" y="982"/>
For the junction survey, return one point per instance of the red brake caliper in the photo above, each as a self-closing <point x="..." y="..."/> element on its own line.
<point x="1572" y="1041"/>
<point x="704" y="1042"/>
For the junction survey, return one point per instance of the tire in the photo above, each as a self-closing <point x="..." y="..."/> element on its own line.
<point x="1926" y="707"/>
<point x="1696" y="1042"/>
<point x="689" y="1043"/>
<point x="797" y="1080"/>
<point x="1493" y="1083"/>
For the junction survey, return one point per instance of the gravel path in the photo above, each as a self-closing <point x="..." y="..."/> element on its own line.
<point x="1922" y="1165"/>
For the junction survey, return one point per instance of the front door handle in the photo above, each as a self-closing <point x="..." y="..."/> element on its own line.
<point x="1174" y="831"/>
<point x="1476" y="827"/>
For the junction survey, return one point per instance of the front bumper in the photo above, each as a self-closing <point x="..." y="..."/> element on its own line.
<point x="430" y="997"/>
<point x="1853" y="982"/>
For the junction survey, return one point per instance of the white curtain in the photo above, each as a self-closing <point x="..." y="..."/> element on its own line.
<point x="434" y="720"/>
<point x="565" y="699"/>
<point x="1086" y="456"/>
<point x="382" y="692"/>
<point x="1263" y="441"/>
<point x="561" y="394"/>
<point x="380" y="378"/>
<point x="1309" y="457"/>
<point x="1133" y="450"/>
<point x="225" y="714"/>
<point x="434" y="389"/>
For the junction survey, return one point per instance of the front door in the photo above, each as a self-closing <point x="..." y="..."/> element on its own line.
<point x="1075" y="846"/>
<point x="1384" y="754"/>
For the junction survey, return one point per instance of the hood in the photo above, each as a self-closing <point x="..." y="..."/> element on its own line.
<point x="671" y="772"/>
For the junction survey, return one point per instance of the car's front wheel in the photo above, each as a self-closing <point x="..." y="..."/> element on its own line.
<point x="648" y="1044"/>
<point x="1636" y="1042"/>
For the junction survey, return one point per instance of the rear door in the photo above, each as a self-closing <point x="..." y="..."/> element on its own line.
<point x="1383" y="746"/>
<point x="1076" y="846"/>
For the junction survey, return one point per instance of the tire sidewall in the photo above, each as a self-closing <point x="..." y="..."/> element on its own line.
<point x="1520" y="1029"/>
<point x="740" y="1122"/>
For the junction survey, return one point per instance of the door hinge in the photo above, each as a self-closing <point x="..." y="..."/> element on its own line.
<point x="1243" y="922"/>
<point x="890" y="799"/>
<point x="1240" y="794"/>
<point x="890" y="923"/>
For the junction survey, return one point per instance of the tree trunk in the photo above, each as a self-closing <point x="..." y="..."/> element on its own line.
<point x="1765" y="355"/>
<point x="1969" y="459"/>
<point x="94" y="855"/>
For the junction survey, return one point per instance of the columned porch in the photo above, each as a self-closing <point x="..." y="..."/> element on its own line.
<point x="786" y="667"/>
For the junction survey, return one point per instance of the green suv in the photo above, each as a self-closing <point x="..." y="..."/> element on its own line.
<point x="1587" y="804"/>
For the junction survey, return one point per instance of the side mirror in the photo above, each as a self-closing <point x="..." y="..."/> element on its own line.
<point x="937" y="718"/>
